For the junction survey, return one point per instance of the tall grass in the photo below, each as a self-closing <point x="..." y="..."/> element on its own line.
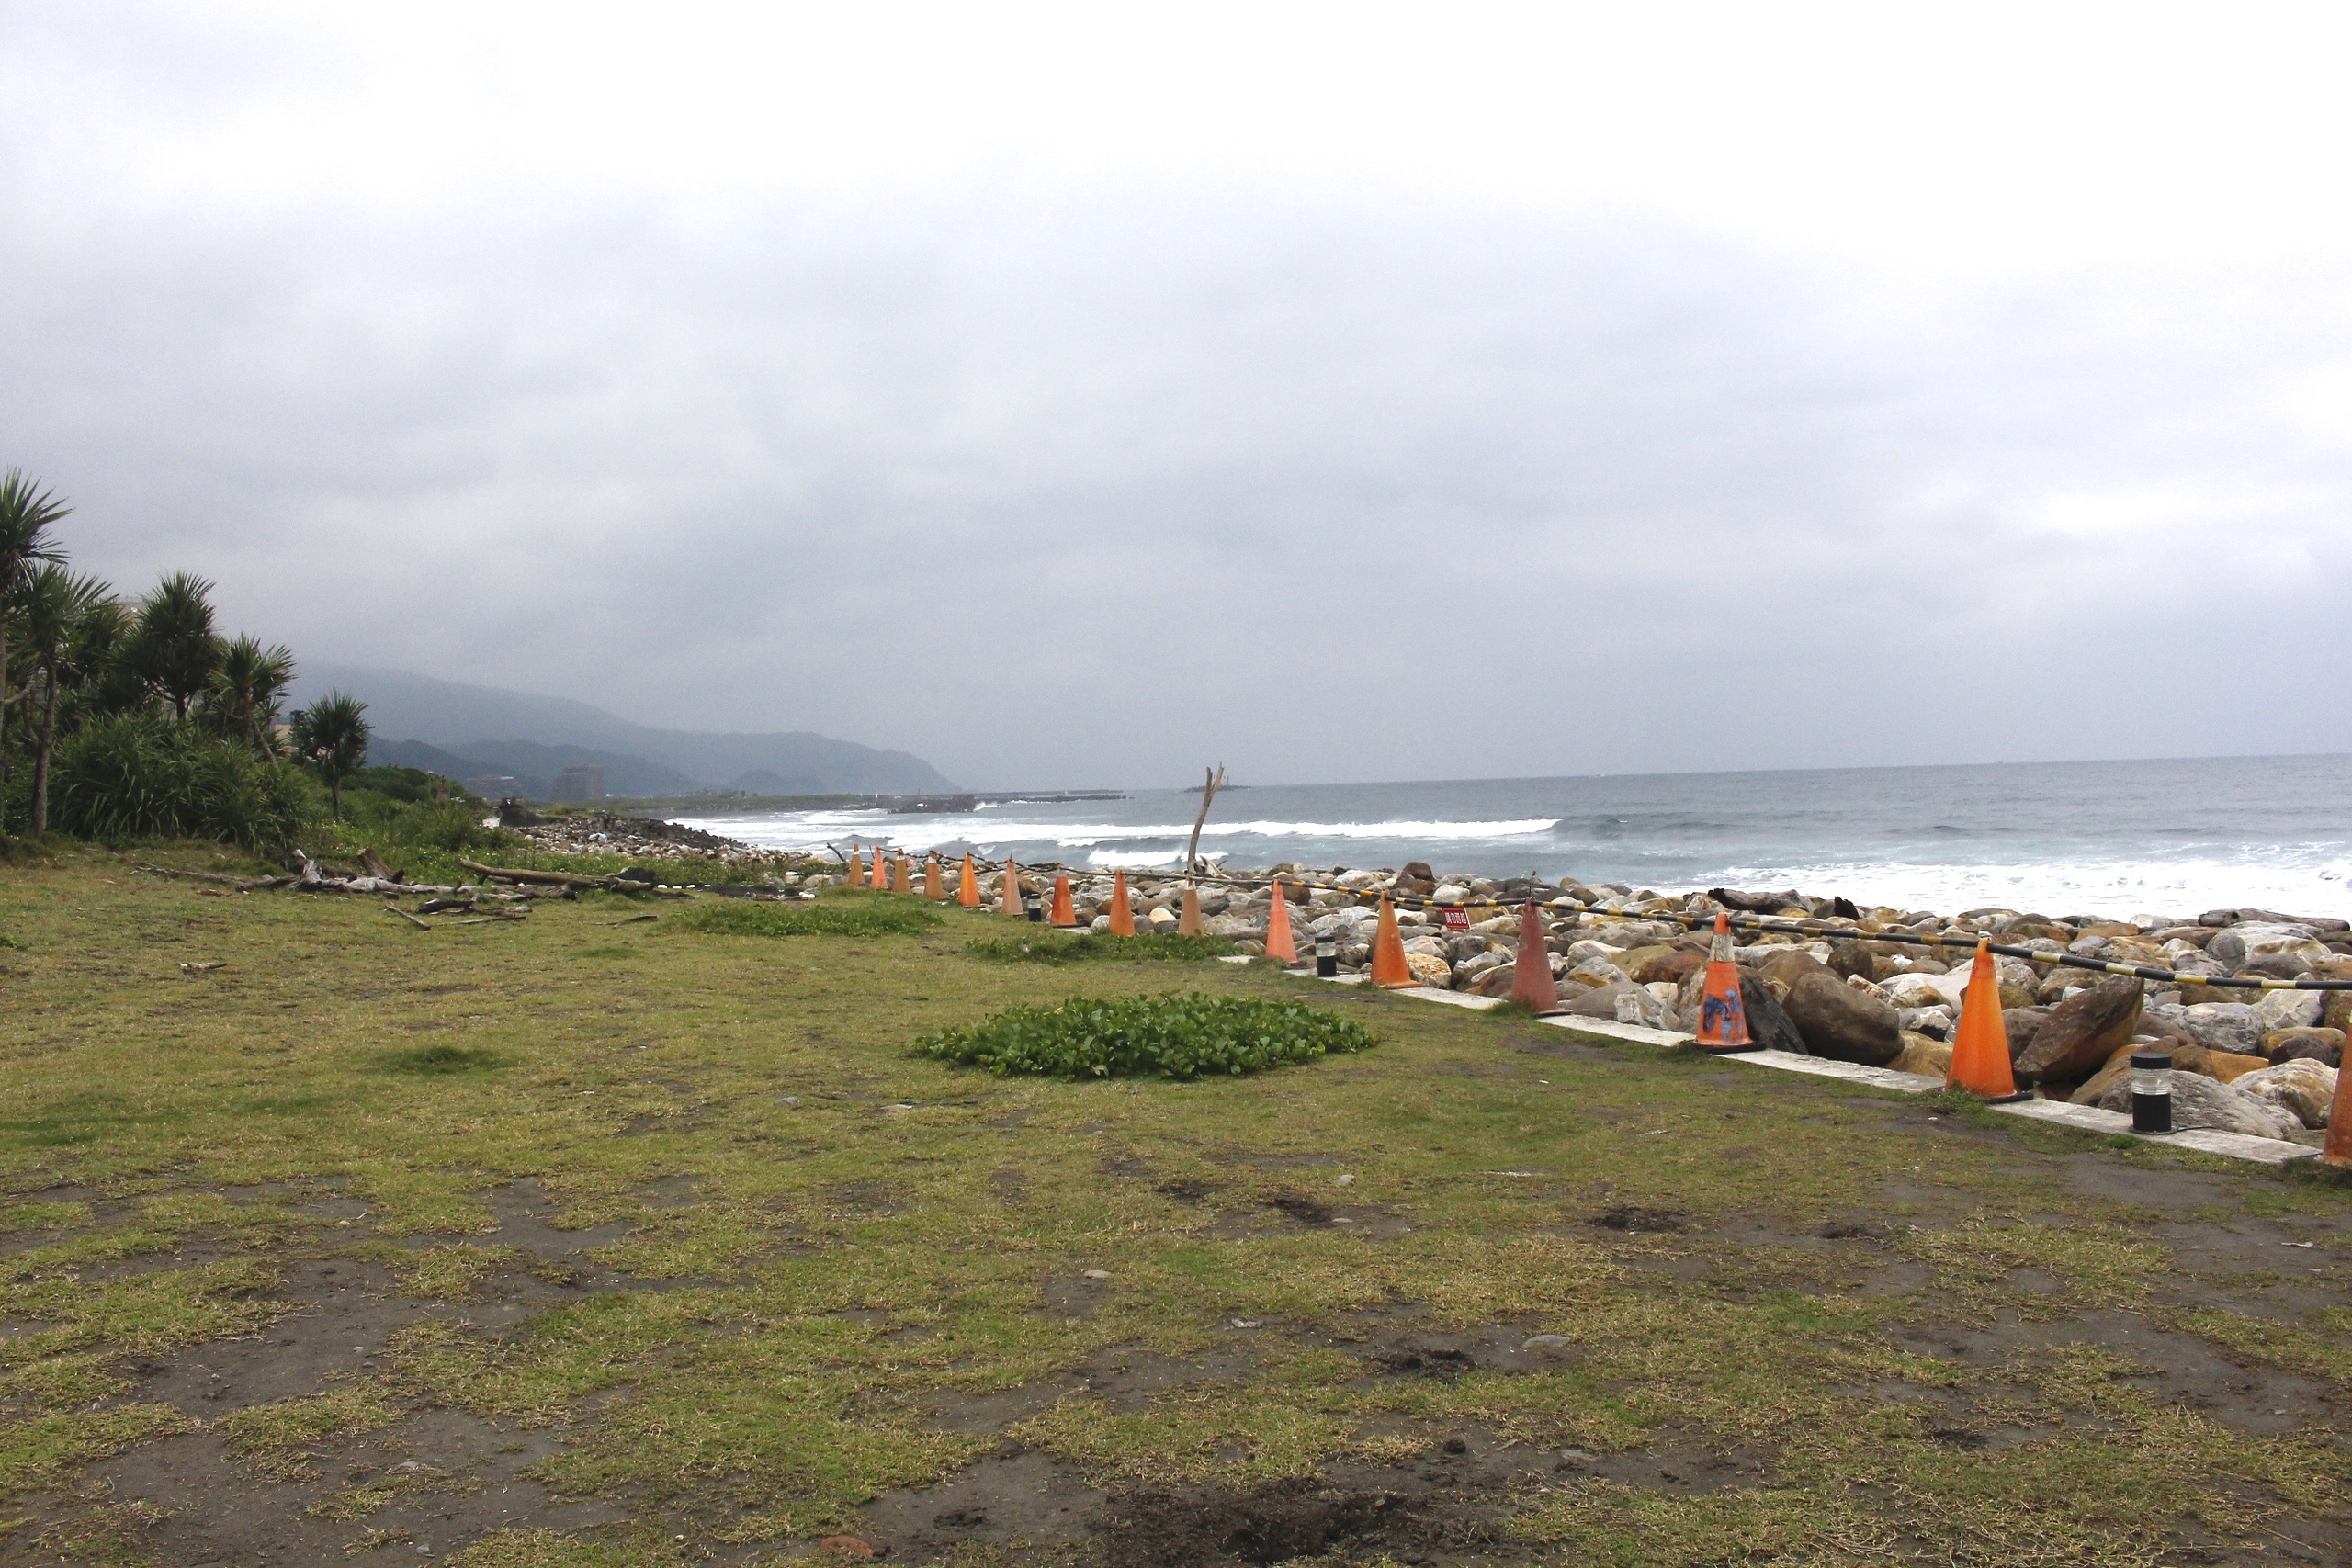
<point x="144" y="777"/>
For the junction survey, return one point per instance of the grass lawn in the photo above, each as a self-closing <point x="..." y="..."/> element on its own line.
<point x="567" y="1242"/>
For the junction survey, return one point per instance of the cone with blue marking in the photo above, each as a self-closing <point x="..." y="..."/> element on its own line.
<point x="1723" y="1017"/>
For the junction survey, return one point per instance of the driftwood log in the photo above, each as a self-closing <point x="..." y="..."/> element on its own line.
<point x="552" y="878"/>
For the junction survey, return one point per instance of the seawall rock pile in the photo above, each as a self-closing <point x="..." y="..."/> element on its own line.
<point x="1858" y="994"/>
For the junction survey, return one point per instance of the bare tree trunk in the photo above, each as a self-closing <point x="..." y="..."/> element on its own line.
<point x="4" y="722"/>
<point x="1212" y="779"/>
<point x="41" y="755"/>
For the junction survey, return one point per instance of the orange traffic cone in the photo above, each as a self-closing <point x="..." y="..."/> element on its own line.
<point x="881" y="872"/>
<point x="967" y="893"/>
<point x="1389" y="966"/>
<point x="1065" y="915"/>
<point x="857" y="866"/>
<point x="1188" y="919"/>
<point x="1011" y="901"/>
<point x="933" y="888"/>
<point x="1723" y="1017"/>
<point x="1533" y="983"/>
<point x="1980" y="1056"/>
<point x="1123" y="913"/>
<point x="901" y="878"/>
<point x="1278" y="943"/>
<point x="2338" y="1148"/>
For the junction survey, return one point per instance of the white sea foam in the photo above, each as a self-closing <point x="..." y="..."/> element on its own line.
<point x="809" y="829"/>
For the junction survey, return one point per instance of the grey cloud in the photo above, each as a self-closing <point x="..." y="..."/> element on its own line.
<point x="1098" y="490"/>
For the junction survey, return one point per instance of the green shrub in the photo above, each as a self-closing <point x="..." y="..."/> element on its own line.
<point x="144" y="777"/>
<point x="826" y="917"/>
<point x="1062" y="947"/>
<point x="1178" y="1034"/>
<point x="412" y="786"/>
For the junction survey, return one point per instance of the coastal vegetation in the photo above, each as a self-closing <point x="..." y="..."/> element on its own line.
<point x="1176" y="1035"/>
<point x="127" y="719"/>
<point x="558" y="1240"/>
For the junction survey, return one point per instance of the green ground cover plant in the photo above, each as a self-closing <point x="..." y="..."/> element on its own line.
<point x="708" y="1266"/>
<point x="1179" y="1034"/>
<point x="842" y="915"/>
<point x="1087" y="947"/>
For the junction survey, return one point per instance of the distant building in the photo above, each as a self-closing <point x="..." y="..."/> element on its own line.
<point x="583" y="782"/>
<point x="495" y="787"/>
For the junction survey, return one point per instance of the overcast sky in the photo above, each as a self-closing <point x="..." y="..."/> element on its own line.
<point x="1077" y="396"/>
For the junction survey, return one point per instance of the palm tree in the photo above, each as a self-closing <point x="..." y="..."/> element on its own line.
<point x="55" y="606"/>
<point x="247" y="686"/>
<point x="173" y="645"/>
<point x="26" y="513"/>
<point x="331" y="736"/>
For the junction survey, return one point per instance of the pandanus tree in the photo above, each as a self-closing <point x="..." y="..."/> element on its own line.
<point x="330" y="736"/>
<point x="27" y="511"/>
<point x="67" y="625"/>
<point x="173" y="645"/>
<point x="248" y="683"/>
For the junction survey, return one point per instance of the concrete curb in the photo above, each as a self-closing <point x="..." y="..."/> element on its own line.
<point x="2085" y="1118"/>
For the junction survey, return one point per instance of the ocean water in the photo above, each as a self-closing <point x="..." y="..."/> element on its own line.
<point x="2116" y="839"/>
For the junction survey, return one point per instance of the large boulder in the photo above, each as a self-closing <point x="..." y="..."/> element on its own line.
<point x="2020" y="1024"/>
<point x="1923" y="1055"/>
<point x="2324" y="1046"/>
<point x="2228" y="1067"/>
<point x="1854" y="957"/>
<point x="2263" y="947"/>
<point x="1841" y="1022"/>
<point x="2204" y="1102"/>
<point x="1783" y="967"/>
<point x="1656" y="962"/>
<point x="1912" y="990"/>
<point x="1428" y="970"/>
<point x="2335" y="1008"/>
<point x="2303" y="1088"/>
<point x="1598" y="1001"/>
<point x="2290" y="1009"/>
<point x="1769" y="1024"/>
<point x="2083" y="1031"/>
<point x="2220" y="1026"/>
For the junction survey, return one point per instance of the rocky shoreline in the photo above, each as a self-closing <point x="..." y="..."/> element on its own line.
<point x="1867" y="991"/>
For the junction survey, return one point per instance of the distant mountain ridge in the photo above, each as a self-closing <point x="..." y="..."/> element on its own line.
<point x="486" y="729"/>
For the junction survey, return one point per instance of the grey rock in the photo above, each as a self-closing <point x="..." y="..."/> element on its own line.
<point x="2204" y="1102"/>
<point x="1841" y="1022"/>
<point x="2083" y="1031"/>
<point x="2324" y="1046"/>
<point x="2221" y="1026"/>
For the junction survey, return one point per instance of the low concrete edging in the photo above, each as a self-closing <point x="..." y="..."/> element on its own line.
<point x="2084" y="1118"/>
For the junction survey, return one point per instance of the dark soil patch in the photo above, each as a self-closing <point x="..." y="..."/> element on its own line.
<point x="1186" y="1190"/>
<point x="2178" y="1369"/>
<point x="1646" y="1222"/>
<point x="431" y="1484"/>
<point x="1405" y="1514"/>
<point x="1305" y="1211"/>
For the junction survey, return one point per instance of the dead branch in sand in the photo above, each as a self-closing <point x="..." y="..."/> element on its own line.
<point x="1213" y="781"/>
